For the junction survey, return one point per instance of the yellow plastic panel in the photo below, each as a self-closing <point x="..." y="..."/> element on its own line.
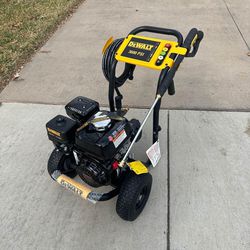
<point x="109" y="41"/>
<point x="145" y="51"/>
<point x="138" y="167"/>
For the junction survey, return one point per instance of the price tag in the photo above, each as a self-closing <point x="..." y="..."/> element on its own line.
<point x="154" y="153"/>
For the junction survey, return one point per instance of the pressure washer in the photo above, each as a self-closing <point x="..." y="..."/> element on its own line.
<point x="96" y="144"/>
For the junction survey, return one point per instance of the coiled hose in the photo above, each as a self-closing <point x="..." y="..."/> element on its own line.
<point x="109" y="67"/>
<point x="109" y="61"/>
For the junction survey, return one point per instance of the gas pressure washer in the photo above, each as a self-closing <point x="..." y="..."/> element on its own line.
<point x="96" y="144"/>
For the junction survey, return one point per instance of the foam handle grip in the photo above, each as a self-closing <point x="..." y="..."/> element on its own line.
<point x="190" y="37"/>
<point x="200" y="35"/>
<point x="188" y="42"/>
<point x="168" y="79"/>
<point x="171" y="88"/>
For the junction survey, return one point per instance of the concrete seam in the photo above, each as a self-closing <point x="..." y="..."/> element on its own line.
<point x="247" y="109"/>
<point x="168" y="183"/>
<point x="237" y="26"/>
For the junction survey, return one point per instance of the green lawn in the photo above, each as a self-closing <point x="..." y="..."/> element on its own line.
<point x="24" y="26"/>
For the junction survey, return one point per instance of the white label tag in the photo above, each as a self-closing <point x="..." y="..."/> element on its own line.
<point x="119" y="138"/>
<point x="154" y="153"/>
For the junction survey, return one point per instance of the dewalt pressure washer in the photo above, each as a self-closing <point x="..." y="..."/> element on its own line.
<point x="96" y="144"/>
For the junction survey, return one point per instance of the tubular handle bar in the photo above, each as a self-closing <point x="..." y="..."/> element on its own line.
<point x="158" y="30"/>
<point x="191" y="43"/>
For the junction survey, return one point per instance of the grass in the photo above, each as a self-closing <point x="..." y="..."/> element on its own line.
<point x="24" y="26"/>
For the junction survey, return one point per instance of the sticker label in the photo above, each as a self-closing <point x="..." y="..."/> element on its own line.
<point x="140" y="49"/>
<point x="119" y="138"/>
<point x="154" y="153"/>
<point x="53" y="132"/>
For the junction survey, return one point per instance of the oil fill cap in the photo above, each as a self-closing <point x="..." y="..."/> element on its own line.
<point x="102" y="123"/>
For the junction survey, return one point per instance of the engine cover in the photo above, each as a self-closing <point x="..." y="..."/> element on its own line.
<point x="81" y="108"/>
<point x="93" y="173"/>
<point x="61" y="129"/>
<point x="105" y="144"/>
<point x="98" y="173"/>
<point x="98" y="139"/>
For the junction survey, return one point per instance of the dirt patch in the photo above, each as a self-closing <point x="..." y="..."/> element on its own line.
<point x="24" y="27"/>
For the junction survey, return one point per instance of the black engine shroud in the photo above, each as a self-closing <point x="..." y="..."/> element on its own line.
<point x="104" y="145"/>
<point x="97" y="139"/>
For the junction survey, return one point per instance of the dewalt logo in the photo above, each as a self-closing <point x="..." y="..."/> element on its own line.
<point x="71" y="187"/>
<point x="143" y="46"/>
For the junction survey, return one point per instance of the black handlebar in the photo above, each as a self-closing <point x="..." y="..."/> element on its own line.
<point x="165" y="82"/>
<point x="191" y="43"/>
<point x="158" y="30"/>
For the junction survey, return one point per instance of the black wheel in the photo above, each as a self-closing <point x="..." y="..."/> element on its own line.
<point x="59" y="161"/>
<point x="133" y="195"/>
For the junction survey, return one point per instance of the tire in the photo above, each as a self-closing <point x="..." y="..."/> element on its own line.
<point x="59" y="161"/>
<point x="133" y="195"/>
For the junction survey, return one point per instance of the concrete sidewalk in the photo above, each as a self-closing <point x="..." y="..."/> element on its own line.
<point x="201" y="190"/>
<point x="218" y="78"/>
<point x="209" y="182"/>
<point x="36" y="213"/>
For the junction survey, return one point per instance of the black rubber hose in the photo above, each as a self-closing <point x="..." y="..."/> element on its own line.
<point x="108" y="60"/>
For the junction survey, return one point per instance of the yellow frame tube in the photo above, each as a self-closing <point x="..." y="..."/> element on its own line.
<point x="73" y="186"/>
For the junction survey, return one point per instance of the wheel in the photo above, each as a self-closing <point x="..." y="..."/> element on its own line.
<point x="59" y="161"/>
<point x="133" y="195"/>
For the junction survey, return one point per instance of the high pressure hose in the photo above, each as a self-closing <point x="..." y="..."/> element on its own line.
<point x="109" y="61"/>
<point x="109" y="67"/>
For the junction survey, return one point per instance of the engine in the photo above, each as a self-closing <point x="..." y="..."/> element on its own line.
<point x="98" y="139"/>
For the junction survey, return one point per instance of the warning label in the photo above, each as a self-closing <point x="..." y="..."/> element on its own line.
<point x="119" y="138"/>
